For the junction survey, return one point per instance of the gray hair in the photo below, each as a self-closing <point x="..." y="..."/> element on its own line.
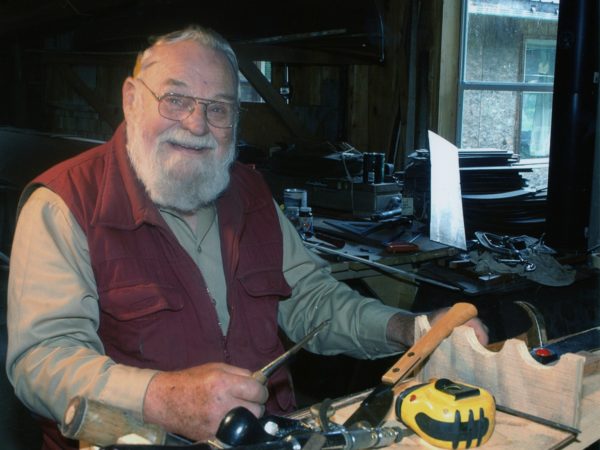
<point x="201" y="35"/>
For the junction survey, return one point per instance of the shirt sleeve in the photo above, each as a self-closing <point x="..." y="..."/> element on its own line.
<point x="358" y="324"/>
<point x="54" y="352"/>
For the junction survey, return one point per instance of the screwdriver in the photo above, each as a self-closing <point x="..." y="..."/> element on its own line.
<point x="263" y="374"/>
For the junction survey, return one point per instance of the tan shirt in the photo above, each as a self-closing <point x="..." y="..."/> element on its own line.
<point x="54" y="352"/>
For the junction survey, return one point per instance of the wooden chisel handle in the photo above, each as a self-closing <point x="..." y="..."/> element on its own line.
<point x="102" y="425"/>
<point x="440" y="330"/>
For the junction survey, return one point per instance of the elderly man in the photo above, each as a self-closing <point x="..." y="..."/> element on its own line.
<point x="153" y="273"/>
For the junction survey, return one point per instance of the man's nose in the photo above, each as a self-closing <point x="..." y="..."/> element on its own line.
<point x="197" y="122"/>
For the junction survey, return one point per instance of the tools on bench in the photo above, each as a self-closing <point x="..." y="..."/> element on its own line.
<point x="363" y="233"/>
<point x="377" y="405"/>
<point x="448" y="414"/>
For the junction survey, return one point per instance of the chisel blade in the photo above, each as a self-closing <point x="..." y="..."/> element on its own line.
<point x="376" y="406"/>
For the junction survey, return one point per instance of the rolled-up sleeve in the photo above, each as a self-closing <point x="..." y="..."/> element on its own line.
<point x="54" y="352"/>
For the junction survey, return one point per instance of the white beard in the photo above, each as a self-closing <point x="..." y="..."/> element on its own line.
<point x="173" y="179"/>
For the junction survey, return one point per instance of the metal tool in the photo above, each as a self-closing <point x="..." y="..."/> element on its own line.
<point x="360" y="232"/>
<point x="263" y="374"/>
<point x="540" y="420"/>
<point x="538" y="322"/>
<point x="545" y="351"/>
<point x="448" y="414"/>
<point x="586" y="340"/>
<point x="241" y="428"/>
<point x="378" y="403"/>
<point x="539" y="352"/>
<point x="511" y="247"/>
<point x="408" y="276"/>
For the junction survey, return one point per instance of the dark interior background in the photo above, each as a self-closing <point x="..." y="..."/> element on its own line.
<point x="349" y="63"/>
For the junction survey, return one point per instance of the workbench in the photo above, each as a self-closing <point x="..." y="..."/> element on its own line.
<point x="513" y="432"/>
<point x="391" y="288"/>
<point x="565" y="392"/>
<point x="510" y="432"/>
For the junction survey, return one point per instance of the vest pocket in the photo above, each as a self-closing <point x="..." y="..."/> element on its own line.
<point x="133" y="302"/>
<point x="261" y="282"/>
<point x="139" y="324"/>
<point x="265" y="288"/>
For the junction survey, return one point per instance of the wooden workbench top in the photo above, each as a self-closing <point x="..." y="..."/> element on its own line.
<point x="567" y="393"/>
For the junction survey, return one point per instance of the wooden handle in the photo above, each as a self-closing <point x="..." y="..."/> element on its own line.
<point x="102" y="425"/>
<point x="440" y="330"/>
<point x="260" y="377"/>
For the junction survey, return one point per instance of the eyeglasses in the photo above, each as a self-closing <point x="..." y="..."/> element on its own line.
<point x="179" y="107"/>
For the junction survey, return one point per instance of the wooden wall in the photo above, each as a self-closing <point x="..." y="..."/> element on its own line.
<point x="367" y="105"/>
<point x="375" y="100"/>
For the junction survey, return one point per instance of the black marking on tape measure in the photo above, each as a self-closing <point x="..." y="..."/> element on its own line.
<point x="457" y="430"/>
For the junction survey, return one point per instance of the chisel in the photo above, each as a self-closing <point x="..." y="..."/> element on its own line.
<point x="263" y="374"/>
<point x="103" y="424"/>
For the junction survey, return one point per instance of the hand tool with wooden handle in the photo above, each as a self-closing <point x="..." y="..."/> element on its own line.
<point x="101" y="424"/>
<point x="378" y="403"/>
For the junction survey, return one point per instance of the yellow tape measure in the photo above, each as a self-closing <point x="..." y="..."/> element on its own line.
<point x="448" y="414"/>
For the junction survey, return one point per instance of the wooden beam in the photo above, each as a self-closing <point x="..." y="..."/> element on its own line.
<point x="89" y="95"/>
<point x="447" y="77"/>
<point x="295" y="55"/>
<point x="411" y="107"/>
<point x="273" y="99"/>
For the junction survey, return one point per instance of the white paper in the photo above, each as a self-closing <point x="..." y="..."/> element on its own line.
<point x="447" y="223"/>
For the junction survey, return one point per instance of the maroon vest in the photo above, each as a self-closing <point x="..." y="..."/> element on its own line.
<point x="155" y="310"/>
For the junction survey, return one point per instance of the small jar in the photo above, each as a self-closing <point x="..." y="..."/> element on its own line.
<point x="305" y="221"/>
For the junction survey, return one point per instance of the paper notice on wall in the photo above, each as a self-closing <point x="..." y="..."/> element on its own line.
<point x="447" y="224"/>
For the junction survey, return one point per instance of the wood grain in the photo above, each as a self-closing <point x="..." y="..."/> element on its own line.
<point x="516" y="380"/>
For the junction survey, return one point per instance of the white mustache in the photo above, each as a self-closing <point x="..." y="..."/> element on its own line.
<point x="184" y="138"/>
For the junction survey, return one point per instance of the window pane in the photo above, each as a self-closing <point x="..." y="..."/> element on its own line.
<point x="535" y="125"/>
<point x="540" y="55"/>
<point x="247" y="92"/>
<point x="508" y="42"/>
<point x="489" y="119"/>
<point x="496" y="33"/>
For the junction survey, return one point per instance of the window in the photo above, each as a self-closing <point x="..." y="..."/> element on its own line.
<point x="507" y="73"/>
<point x="536" y="110"/>
<point x="247" y="92"/>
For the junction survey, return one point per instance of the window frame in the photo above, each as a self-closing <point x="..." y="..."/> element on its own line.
<point x="464" y="85"/>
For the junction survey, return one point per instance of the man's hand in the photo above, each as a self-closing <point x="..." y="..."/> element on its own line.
<point x="193" y="402"/>
<point x="401" y="327"/>
<point x="481" y="331"/>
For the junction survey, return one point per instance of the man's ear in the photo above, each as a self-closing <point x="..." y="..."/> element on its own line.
<point x="128" y="92"/>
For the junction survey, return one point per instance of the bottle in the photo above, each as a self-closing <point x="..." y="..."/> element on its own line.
<point x="305" y="221"/>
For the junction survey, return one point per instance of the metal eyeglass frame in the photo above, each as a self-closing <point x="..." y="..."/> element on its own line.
<point x="197" y="101"/>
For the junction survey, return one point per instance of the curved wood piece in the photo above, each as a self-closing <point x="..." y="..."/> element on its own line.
<point x="516" y="380"/>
